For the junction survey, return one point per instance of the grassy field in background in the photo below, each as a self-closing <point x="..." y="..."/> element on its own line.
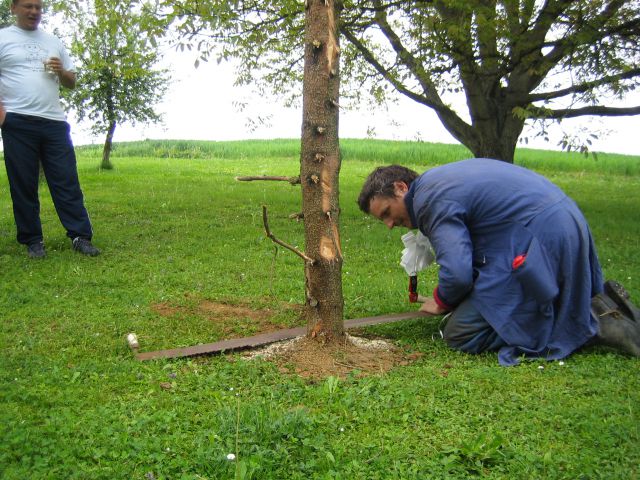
<point x="177" y="231"/>
<point x="376" y="151"/>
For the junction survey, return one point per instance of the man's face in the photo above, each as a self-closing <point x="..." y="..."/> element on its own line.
<point x="392" y="211"/>
<point x="28" y="13"/>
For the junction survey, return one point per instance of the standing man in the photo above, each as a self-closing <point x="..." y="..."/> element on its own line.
<point x="518" y="267"/>
<point x="33" y="65"/>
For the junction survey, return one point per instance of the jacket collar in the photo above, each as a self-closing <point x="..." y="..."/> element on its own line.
<point x="408" y="201"/>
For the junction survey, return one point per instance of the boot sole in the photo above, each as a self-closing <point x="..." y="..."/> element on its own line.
<point x="602" y="306"/>
<point x="620" y="296"/>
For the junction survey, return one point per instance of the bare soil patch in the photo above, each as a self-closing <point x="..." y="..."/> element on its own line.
<point x="231" y="318"/>
<point x="312" y="359"/>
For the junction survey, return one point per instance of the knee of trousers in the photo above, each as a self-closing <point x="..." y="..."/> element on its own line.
<point x="473" y="346"/>
<point x="467" y="338"/>
<point x="456" y="338"/>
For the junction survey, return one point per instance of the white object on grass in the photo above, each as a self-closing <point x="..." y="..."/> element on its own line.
<point x="132" y="340"/>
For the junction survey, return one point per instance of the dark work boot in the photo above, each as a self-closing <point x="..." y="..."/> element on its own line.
<point x="36" y="250"/>
<point x="619" y="294"/>
<point x="615" y="330"/>
<point x="85" y="247"/>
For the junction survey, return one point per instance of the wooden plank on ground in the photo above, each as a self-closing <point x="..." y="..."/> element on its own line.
<point x="267" y="338"/>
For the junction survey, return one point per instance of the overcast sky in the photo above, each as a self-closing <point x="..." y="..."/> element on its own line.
<point x="200" y="106"/>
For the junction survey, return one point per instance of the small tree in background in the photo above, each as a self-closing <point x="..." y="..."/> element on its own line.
<point x="117" y="58"/>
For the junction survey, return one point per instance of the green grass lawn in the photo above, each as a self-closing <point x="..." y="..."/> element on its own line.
<point x="178" y="231"/>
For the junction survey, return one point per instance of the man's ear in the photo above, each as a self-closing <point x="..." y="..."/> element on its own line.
<point x="400" y="188"/>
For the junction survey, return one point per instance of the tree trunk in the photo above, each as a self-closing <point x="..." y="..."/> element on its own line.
<point x="106" y="151"/>
<point x="498" y="137"/>
<point x="494" y="129"/>
<point x="319" y="171"/>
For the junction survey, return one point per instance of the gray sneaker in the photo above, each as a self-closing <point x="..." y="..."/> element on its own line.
<point x="85" y="247"/>
<point x="36" y="250"/>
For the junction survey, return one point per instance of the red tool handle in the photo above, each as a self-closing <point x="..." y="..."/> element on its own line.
<point x="413" y="288"/>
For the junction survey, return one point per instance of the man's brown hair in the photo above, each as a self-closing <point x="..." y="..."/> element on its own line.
<point x="380" y="182"/>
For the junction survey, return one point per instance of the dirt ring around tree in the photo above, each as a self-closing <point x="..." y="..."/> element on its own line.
<point x="303" y="356"/>
<point x="312" y="359"/>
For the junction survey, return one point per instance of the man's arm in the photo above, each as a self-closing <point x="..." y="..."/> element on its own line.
<point x="67" y="79"/>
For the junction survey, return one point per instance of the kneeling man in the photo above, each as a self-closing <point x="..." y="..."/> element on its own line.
<point x="518" y="271"/>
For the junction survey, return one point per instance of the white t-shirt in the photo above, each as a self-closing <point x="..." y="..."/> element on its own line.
<point x="25" y="86"/>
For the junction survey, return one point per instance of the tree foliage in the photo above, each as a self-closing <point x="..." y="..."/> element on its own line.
<point x="511" y="61"/>
<point x="6" y="18"/>
<point x="119" y="80"/>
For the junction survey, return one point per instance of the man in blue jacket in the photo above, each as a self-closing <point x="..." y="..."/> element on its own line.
<point x="518" y="265"/>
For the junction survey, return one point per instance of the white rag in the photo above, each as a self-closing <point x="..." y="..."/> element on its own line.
<point x="418" y="253"/>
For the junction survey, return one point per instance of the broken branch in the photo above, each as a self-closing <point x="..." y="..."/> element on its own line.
<point x="291" y="180"/>
<point x="265" y="220"/>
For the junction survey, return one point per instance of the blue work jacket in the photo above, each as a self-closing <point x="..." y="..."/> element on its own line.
<point x="517" y="246"/>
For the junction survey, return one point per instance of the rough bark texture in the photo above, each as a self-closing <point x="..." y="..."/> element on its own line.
<point x="319" y="171"/>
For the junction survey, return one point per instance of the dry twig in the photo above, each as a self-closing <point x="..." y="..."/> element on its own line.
<point x="273" y="178"/>
<point x="301" y="254"/>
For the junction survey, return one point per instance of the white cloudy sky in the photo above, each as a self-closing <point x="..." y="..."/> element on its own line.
<point x="200" y="106"/>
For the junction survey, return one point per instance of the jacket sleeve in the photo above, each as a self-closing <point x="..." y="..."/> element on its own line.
<point x="444" y="223"/>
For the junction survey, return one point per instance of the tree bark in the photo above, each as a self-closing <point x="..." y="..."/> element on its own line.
<point x="496" y="131"/>
<point x="319" y="170"/>
<point x="106" y="151"/>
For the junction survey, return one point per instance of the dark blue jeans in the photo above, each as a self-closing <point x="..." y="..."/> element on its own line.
<point x="27" y="141"/>
<point x="468" y="331"/>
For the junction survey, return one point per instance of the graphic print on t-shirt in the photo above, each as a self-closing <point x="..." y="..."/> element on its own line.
<point x="36" y="56"/>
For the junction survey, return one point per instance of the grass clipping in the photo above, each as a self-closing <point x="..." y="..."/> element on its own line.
<point x="313" y="359"/>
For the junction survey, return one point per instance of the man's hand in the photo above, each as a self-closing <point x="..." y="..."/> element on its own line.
<point x="67" y="78"/>
<point x="3" y="113"/>
<point x="432" y="308"/>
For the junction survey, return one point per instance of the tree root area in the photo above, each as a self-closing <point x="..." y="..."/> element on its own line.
<point x="315" y="360"/>
<point x="309" y="358"/>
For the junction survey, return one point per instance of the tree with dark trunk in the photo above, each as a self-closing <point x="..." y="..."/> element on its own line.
<point x="512" y="62"/>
